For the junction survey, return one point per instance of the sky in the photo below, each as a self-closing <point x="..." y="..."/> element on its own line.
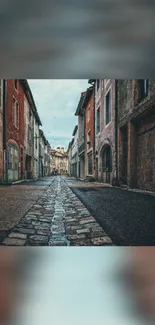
<point x="56" y="101"/>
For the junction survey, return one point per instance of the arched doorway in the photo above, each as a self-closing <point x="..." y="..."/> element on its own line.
<point x="106" y="163"/>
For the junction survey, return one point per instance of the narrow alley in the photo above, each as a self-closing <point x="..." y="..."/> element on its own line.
<point x="60" y="211"/>
<point x="58" y="218"/>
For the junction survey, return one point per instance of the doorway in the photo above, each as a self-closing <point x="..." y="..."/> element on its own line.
<point x="107" y="164"/>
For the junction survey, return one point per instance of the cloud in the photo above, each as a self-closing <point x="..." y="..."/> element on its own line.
<point x="56" y="101"/>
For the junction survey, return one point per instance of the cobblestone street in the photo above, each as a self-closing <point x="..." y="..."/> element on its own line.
<point x="58" y="218"/>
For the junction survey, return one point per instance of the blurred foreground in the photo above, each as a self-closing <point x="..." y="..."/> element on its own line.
<point x="77" y="286"/>
<point x="75" y="39"/>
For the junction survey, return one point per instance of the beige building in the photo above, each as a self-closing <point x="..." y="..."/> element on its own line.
<point x="59" y="161"/>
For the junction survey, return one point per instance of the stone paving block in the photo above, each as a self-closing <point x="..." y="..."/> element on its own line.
<point x="42" y="227"/>
<point x="101" y="241"/>
<point x="43" y="232"/>
<point x="39" y="239"/>
<point x="25" y="231"/>
<point x="31" y="218"/>
<point x="57" y="243"/>
<point x="87" y="220"/>
<point x="75" y="237"/>
<point x="24" y="225"/>
<point x="46" y="220"/>
<point x="96" y="228"/>
<point x="85" y="213"/>
<point x="81" y="231"/>
<point x="17" y="235"/>
<point x="58" y="232"/>
<point x="14" y="242"/>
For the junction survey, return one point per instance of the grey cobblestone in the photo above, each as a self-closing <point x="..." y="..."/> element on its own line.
<point x="58" y="219"/>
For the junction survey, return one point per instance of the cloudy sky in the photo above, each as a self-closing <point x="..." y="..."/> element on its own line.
<point x="56" y="101"/>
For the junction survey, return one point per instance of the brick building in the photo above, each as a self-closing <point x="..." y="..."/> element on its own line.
<point x="31" y="136"/>
<point x="105" y="149"/>
<point x="88" y="105"/>
<point x="136" y="133"/>
<point x="14" y="130"/>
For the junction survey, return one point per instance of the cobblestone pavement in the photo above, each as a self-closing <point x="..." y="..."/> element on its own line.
<point x="58" y="219"/>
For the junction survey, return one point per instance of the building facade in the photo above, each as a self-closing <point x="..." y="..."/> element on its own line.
<point x="36" y="161"/>
<point x="89" y="108"/>
<point x="42" y="143"/>
<point x="28" y="139"/>
<point x="69" y="152"/>
<point x="105" y="155"/>
<point x="75" y="158"/>
<point x="47" y="149"/>
<point x="31" y="133"/>
<point x="15" y="130"/>
<point x="59" y="161"/>
<point x="136" y="133"/>
<point x="80" y="112"/>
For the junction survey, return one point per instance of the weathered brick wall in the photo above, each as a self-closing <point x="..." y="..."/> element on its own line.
<point x="13" y="132"/>
<point x="17" y="134"/>
<point x="139" y="117"/>
<point x="81" y="130"/>
<point x="125" y="98"/>
<point x="107" y="132"/>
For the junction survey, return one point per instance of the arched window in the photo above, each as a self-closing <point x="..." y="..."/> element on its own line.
<point x="107" y="159"/>
<point x="13" y="160"/>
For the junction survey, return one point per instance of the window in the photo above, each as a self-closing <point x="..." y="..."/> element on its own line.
<point x="108" y="107"/>
<point x="15" y="159"/>
<point x="36" y="141"/>
<point x="90" y="165"/>
<point x="15" y="112"/>
<point x="9" y="156"/>
<point x="98" y="121"/>
<point x="12" y="157"/>
<point x="88" y="140"/>
<point x="29" y="134"/>
<point x="16" y="83"/>
<point x="88" y="113"/>
<point x="30" y="115"/>
<point x="98" y="83"/>
<point x="107" y="159"/>
<point x="143" y="84"/>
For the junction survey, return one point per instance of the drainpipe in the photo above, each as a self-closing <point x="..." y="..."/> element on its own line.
<point x="4" y="129"/>
<point x="116" y="131"/>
